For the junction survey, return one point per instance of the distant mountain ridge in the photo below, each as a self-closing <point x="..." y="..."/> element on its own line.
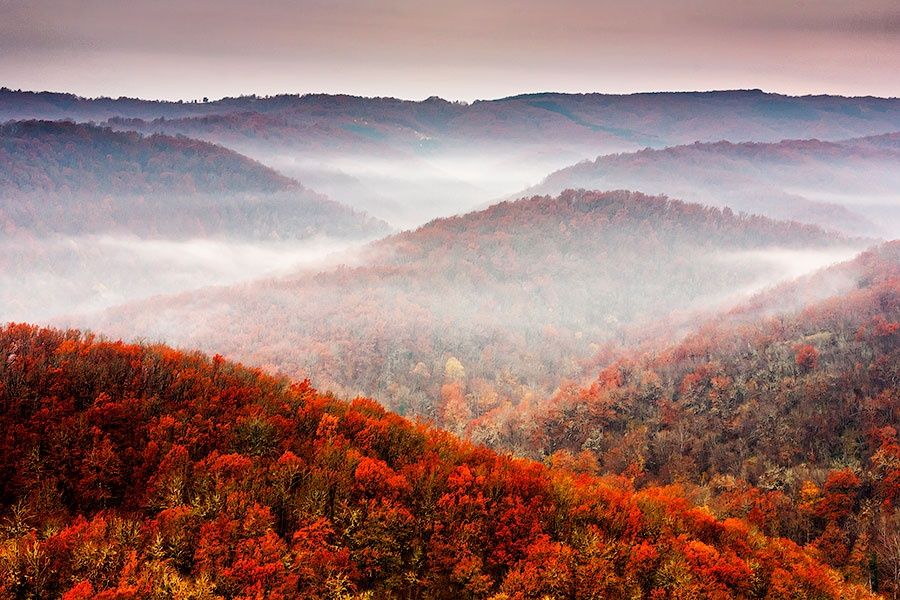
<point x="850" y="185"/>
<point x="675" y="114"/>
<point x="408" y="162"/>
<point x="155" y="185"/>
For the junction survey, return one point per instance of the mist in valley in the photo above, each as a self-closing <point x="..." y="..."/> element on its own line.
<point x="515" y="299"/>
<point x="485" y="300"/>
<point x="776" y="266"/>
<point x="407" y="189"/>
<point x="266" y="241"/>
<point x="58" y="278"/>
<point x="848" y="186"/>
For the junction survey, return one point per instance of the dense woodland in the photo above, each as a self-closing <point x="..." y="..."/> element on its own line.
<point x="615" y="394"/>
<point x="788" y="421"/>
<point x="143" y="472"/>
<point x="849" y="185"/>
<point x="154" y="186"/>
<point x="500" y="304"/>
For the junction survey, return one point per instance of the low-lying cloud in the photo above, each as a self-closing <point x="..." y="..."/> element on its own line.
<point x="72" y="275"/>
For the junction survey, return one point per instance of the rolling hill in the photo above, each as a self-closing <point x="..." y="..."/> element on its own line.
<point x="91" y="217"/>
<point x="154" y="186"/>
<point x="787" y="417"/>
<point x="409" y="162"/>
<point x="850" y="186"/>
<point x="139" y="471"/>
<point x="472" y="313"/>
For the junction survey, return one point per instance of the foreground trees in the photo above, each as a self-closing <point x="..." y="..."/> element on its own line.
<point x="142" y="472"/>
<point x="788" y="422"/>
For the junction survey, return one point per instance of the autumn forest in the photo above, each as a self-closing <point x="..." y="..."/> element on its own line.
<point x="341" y="345"/>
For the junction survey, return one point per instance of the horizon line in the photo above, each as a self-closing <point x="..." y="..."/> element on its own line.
<point x="435" y="98"/>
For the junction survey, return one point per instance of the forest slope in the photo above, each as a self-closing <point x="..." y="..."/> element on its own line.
<point x="498" y="305"/>
<point x="91" y="217"/>
<point x="154" y="186"/>
<point x="789" y="418"/>
<point x="142" y="472"/>
<point x="849" y="186"/>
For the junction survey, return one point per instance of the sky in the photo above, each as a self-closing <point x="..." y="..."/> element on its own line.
<point x="460" y="50"/>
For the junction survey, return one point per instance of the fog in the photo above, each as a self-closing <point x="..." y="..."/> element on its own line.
<point x="60" y="276"/>
<point x="854" y="196"/>
<point x="777" y="265"/>
<point x="837" y="186"/>
<point x="522" y="296"/>
<point x="412" y="189"/>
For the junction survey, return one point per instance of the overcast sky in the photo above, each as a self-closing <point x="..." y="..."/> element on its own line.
<point x="465" y="49"/>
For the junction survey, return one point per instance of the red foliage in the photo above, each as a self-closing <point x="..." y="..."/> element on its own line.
<point x="230" y="483"/>
<point x="806" y="356"/>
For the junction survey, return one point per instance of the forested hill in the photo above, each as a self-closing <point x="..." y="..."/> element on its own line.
<point x="849" y="185"/>
<point x="155" y="185"/>
<point x="473" y="313"/>
<point x="138" y="472"/>
<point x="55" y="157"/>
<point x="788" y="417"/>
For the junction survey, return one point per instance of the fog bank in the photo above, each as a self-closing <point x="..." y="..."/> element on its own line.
<point x="67" y="276"/>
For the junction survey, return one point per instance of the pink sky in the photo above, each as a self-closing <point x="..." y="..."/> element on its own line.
<point x="465" y="50"/>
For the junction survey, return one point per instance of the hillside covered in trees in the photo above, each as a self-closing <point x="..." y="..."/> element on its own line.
<point x="505" y="300"/>
<point x="408" y="162"/>
<point x="850" y="185"/>
<point x="153" y="186"/>
<point x="91" y="217"/>
<point x="493" y="309"/>
<point x="788" y="419"/>
<point x="143" y="472"/>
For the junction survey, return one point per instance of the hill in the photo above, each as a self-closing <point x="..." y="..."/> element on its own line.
<point x="472" y="313"/>
<point x="409" y="162"/>
<point x="849" y="186"/>
<point x="156" y="186"/>
<point x="789" y="418"/>
<point x="658" y="119"/>
<point x="91" y="217"/>
<point x="135" y="472"/>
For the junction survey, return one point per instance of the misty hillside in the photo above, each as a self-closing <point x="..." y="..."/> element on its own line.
<point x="54" y="157"/>
<point x="809" y="355"/>
<point x="408" y="162"/>
<point x="157" y="186"/>
<point x="788" y="420"/>
<point x="851" y="186"/>
<point x="494" y="306"/>
<point x="144" y="472"/>
<point x="91" y="217"/>
<point x="885" y="141"/>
